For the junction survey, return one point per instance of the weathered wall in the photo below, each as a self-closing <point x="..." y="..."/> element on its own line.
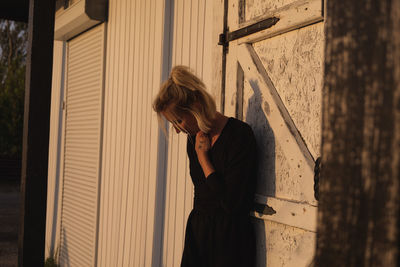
<point x="256" y="8"/>
<point x="293" y="60"/>
<point x="285" y="245"/>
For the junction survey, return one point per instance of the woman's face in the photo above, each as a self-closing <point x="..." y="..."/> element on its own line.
<point x="182" y="122"/>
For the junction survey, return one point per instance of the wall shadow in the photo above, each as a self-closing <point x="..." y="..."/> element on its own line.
<point x="162" y="156"/>
<point x="266" y="178"/>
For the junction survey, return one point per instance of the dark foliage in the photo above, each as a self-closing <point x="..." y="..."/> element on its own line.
<point x="13" y="50"/>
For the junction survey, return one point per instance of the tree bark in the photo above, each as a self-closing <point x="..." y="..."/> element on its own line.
<point x="358" y="218"/>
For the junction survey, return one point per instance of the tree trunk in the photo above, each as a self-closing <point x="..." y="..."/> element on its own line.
<point x="358" y="219"/>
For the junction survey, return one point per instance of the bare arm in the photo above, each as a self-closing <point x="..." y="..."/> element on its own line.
<point x="202" y="146"/>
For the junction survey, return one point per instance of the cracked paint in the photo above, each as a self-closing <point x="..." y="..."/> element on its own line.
<point x="294" y="62"/>
<point x="279" y="245"/>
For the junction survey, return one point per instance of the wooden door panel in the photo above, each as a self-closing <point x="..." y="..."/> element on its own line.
<point x="287" y="246"/>
<point x="273" y="81"/>
<point x="294" y="62"/>
<point x="295" y="150"/>
<point x="291" y="14"/>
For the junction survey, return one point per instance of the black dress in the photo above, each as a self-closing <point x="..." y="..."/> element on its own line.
<point x="219" y="232"/>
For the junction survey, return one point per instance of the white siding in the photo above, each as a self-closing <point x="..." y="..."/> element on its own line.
<point x="134" y="231"/>
<point x="191" y="47"/>
<point x="53" y="184"/>
<point x="82" y="148"/>
<point x="129" y="169"/>
<point x="145" y="191"/>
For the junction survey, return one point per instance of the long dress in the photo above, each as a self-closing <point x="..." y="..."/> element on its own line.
<point x="219" y="231"/>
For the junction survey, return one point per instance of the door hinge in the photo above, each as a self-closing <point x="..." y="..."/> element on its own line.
<point x="64" y="105"/>
<point x="226" y="36"/>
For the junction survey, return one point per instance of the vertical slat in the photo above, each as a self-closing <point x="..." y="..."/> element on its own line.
<point x="56" y="122"/>
<point x="194" y="29"/>
<point x="106" y="149"/>
<point x="193" y="45"/>
<point x="117" y="132"/>
<point x="182" y="157"/>
<point x="168" y="232"/>
<point x="154" y="226"/>
<point x="127" y="132"/>
<point x="134" y="155"/>
<point x="149" y="220"/>
<point x="138" y="173"/>
<point x="107" y="184"/>
<point x="178" y="57"/>
<point x="113" y="123"/>
<point x="172" y="177"/>
<point x="122" y="177"/>
<point x="201" y="33"/>
<point x="145" y="131"/>
<point x="116" y="148"/>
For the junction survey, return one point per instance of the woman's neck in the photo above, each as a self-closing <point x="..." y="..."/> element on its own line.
<point x="218" y="124"/>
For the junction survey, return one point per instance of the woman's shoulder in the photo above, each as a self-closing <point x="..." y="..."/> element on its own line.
<point x="240" y="130"/>
<point x="239" y="126"/>
<point x="240" y="138"/>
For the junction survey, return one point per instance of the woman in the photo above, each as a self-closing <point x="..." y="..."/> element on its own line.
<point x="222" y="155"/>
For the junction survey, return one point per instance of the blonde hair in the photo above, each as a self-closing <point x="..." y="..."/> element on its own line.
<point x="185" y="92"/>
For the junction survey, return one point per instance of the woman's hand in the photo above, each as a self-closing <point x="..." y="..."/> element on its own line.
<point x="202" y="143"/>
<point x="202" y="146"/>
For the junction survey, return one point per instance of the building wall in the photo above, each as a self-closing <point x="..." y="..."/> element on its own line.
<point x="191" y="45"/>
<point x="145" y="191"/>
<point x="129" y="166"/>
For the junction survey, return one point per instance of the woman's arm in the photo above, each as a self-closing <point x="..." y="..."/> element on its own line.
<point x="202" y="146"/>
<point x="237" y="184"/>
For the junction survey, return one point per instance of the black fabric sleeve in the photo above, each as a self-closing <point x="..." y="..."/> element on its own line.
<point x="237" y="184"/>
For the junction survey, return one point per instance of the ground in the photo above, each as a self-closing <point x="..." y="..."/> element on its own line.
<point x="9" y="219"/>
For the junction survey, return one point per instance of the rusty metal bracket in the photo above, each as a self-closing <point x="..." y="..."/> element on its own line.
<point x="226" y="36"/>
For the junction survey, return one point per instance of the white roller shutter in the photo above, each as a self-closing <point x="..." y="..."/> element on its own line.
<point x="82" y="148"/>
